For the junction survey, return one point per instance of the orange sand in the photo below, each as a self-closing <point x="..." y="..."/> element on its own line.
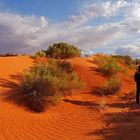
<point x="81" y="116"/>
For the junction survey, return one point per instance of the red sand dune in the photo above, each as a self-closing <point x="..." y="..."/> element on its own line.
<point x="81" y="116"/>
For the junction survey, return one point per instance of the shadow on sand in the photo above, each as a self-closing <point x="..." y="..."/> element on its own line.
<point x="82" y="103"/>
<point x="13" y="93"/>
<point x="120" y="125"/>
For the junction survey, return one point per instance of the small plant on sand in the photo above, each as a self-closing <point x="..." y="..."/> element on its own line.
<point x="108" y="66"/>
<point x="46" y="83"/>
<point x="56" y="99"/>
<point x="112" y="86"/>
<point x="103" y="103"/>
<point x="40" y="53"/>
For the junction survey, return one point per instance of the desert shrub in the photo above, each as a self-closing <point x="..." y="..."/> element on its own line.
<point x="8" y="54"/>
<point x="56" y="99"/>
<point x="46" y="83"/>
<point x="132" y="66"/>
<point x="65" y="78"/>
<point x="74" y="83"/>
<point x="62" y="50"/>
<point x="40" y="53"/>
<point x="107" y="65"/>
<point x="103" y="103"/>
<point x="34" y="87"/>
<point x="136" y="61"/>
<point x="112" y="86"/>
<point x="66" y="66"/>
<point x="35" y="103"/>
<point x="127" y="60"/>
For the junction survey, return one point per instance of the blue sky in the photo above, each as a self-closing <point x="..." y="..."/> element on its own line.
<point x="51" y="9"/>
<point x="108" y="26"/>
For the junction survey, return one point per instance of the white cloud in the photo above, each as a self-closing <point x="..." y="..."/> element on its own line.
<point x="133" y="10"/>
<point x="43" y="21"/>
<point x="132" y="50"/>
<point x="27" y="34"/>
<point x="132" y="17"/>
<point x="103" y="9"/>
<point x="17" y="32"/>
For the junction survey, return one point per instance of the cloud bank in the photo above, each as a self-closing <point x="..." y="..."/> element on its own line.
<point x="27" y="34"/>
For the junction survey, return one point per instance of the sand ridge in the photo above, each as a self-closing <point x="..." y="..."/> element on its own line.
<point x="79" y="117"/>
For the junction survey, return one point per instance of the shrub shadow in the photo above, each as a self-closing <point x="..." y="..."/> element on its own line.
<point x="98" y="71"/>
<point x="81" y="103"/>
<point x="123" y="125"/>
<point x="98" y="91"/>
<point x="14" y="94"/>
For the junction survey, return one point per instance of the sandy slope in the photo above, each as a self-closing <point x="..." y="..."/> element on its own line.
<point x="81" y="116"/>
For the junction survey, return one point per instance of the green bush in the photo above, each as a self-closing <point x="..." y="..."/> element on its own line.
<point x="112" y="86"/>
<point x="62" y="50"/>
<point x="108" y="66"/>
<point x="56" y="99"/>
<point x="127" y="60"/>
<point x="74" y="83"/>
<point x="47" y="82"/>
<point x="40" y="53"/>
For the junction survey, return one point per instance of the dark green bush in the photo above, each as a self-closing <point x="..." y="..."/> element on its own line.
<point x="47" y="82"/>
<point x="128" y="60"/>
<point x="62" y="50"/>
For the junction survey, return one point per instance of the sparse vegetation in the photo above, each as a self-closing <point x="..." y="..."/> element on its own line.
<point x="38" y="54"/>
<point x="136" y="61"/>
<point x="103" y="103"/>
<point x="112" y="86"/>
<point x="62" y="50"/>
<point x="46" y="82"/>
<point x="107" y="65"/>
<point x="8" y="54"/>
<point x="66" y="66"/>
<point x="127" y="60"/>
